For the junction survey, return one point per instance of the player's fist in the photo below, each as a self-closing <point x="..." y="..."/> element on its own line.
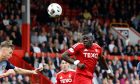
<point x="111" y="75"/>
<point x="81" y="66"/>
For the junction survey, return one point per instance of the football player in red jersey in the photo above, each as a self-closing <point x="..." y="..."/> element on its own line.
<point x="87" y="54"/>
<point x="66" y="75"/>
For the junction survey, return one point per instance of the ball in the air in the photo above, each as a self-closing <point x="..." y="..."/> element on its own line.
<point x="54" y="10"/>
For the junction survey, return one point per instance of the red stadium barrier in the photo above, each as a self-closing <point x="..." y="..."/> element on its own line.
<point x="35" y="79"/>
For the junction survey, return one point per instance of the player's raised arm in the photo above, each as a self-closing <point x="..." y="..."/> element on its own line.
<point x="71" y="51"/>
<point x="66" y="57"/>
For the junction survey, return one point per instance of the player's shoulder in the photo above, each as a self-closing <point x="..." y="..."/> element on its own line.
<point x="96" y="45"/>
<point x="78" y="44"/>
<point x="71" y="70"/>
<point x="60" y="72"/>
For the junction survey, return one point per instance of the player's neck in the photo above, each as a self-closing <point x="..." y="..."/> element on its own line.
<point x="65" y="71"/>
<point x="88" y="46"/>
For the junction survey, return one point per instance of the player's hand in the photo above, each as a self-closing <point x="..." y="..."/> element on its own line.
<point x="81" y="66"/>
<point x="37" y="70"/>
<point x="110" y="74"/>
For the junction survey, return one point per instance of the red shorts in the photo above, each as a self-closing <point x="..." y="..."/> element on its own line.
<point x="81" y="79"/>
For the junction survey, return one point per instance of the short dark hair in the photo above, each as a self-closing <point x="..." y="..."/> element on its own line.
<point x="8" y="44"/>
<point x="86" y="30"/>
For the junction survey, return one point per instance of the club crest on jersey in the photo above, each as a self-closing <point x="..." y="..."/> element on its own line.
<point x="90" y="55"/>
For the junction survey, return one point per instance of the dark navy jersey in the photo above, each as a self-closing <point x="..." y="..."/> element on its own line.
<point x="5" y="65"/>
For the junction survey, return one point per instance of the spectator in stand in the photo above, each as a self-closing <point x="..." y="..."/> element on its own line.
<point x="86" y="14"/>
<point x="115" y="51"/>
<point x="6" y="81"/>
<point x="42" y="38"/>
<point x="57" y="62"/>
<point x="27" y="58"/>
<point x="128" y="51"/>
<point x="18" y="35"/>
<point x="129" y="63"/>
<point x="18" y="21"/>
<point x="50" y="47"/>
<point x="123" y="79"/>
<point x="135" y="61"/>
<point x="125" y="66"/>
<point x="6" y="20"/>
<point x="43" y="47"/>
<point x="66" y="23"/>
<point x="34" y="37"/>
<point x="36" y="63"/>
<point x="111" y="46"/>
<point x="136" y="51"/>
<point x="120" y="43"/>
<point x="116" y="63"/>
<point x="26" y="80"/>
<point x="33" y="57"/>
<point x="36" y="48"/>
<point x="52" y="72"/>
<point x="56" y="46"/>
<point x="14" y="80"/>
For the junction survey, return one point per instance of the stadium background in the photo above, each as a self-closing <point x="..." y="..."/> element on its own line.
<point x="41" y="39"/>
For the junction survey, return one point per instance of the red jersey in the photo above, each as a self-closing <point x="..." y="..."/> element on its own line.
<point x="65" y="77"/>
<point x="88" y="56"/>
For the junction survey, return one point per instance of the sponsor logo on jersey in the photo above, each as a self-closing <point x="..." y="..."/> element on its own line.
<point x="90" y="55"/>
<point x="68" y="80"/>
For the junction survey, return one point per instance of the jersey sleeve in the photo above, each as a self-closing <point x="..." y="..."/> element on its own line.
<point x="57" y="79"/>
<point x="99" y="49"/>
<point x="74" y="49"/>
<point x="9" y="66"/>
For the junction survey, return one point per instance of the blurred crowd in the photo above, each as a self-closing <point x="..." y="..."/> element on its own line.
<point x="18" y="79"/>
<point x="10" y="21"/>
<point x="55" y="35"/>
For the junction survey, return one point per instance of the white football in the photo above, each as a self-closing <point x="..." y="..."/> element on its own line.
<point x="54" y="10"/>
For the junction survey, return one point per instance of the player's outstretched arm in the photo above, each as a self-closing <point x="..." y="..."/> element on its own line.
<point x="25" y="71"/>
<point x="7" y="73"/>
<point x="104" y="63"/>
<point x="66" y="57"/>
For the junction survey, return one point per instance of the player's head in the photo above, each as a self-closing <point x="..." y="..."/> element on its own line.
<point x="64" y="65"/>
<point x="87" y="39"/>
<point x="6" y="49"/>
